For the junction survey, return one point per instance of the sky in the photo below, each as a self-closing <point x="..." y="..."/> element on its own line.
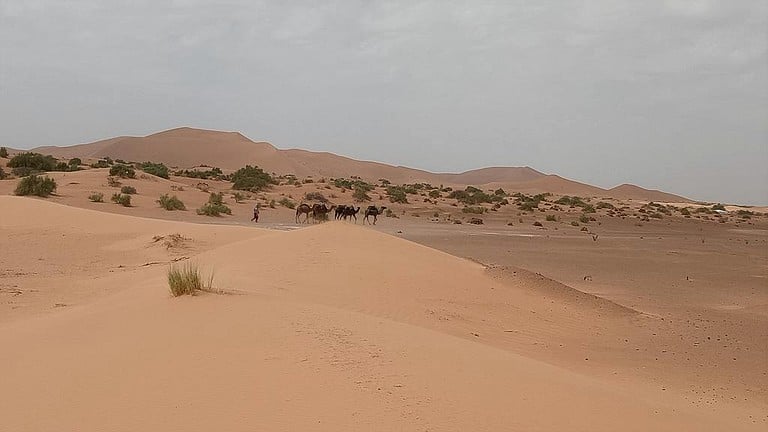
<point x="669" y="95"/>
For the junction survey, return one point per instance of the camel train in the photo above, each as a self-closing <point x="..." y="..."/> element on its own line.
<point x="319" y="212"/>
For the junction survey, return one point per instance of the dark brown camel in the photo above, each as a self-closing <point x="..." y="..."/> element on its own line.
<point x="373" y="211"/>
<point x="340" y="211"/>
<point x="320" y="211"/>
<point x="304" y="209"/>
<point x="350" y="211"/>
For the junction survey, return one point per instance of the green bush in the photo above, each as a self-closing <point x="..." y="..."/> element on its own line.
<point x="360" y="195"/>
<point x="187" y="280"/>
<point x="434" y="194"/>
<point x="122" y="171"/>
<point x="285" y="202"/>
<point x="32" y="163"/>
<point x="251" y="179"/>
<point x="3" y="152"/>
<point x="171" y="203"/>
<point x="238" y="197"/>
<point x="36" y="185"/>
<point x="397" y="194"/>
<point x="113" y="182"/>
<point x="97" y="197"/>
<point x="215" y="206"/>
<point x="100" y="164"/>
<point x="583" y="219"/>
<point x="130" y="190"/>
<point x="157" y="169"/>
<point x="75" y="163"/>
<point x="213" y="173"/>
<point x="3" y="175"/>
<point x="122" y="199"/>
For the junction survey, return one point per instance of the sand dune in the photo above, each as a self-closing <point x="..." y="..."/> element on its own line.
<point x="334" y="327"/>
<point x="189" y="147"/>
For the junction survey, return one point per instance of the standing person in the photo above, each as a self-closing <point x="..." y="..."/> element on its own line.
<point x="256" y="213"/>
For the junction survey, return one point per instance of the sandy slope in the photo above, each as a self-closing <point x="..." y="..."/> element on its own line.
<point x="189" y="147"/>
<point x="334" y="327"/>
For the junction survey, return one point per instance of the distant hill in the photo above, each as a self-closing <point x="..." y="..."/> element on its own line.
<point x="188" y="147"/>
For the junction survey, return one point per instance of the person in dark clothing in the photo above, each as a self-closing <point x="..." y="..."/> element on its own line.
<point x="256" y="213"/>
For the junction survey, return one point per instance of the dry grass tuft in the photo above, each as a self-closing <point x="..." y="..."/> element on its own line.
<point x="187" y="280"/>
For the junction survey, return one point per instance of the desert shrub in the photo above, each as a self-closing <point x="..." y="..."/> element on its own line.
<point x="122" y="199"/>
<point x="397" y="194"/>
<point x="360" y="195"/>
<point x="157" y="169"/>
<point x="434" y="194"/>
<point x="75" y="162"/>
<point x="215" y="206"/>
<point x="529" y="203"/>
<point x="3" y="175"/>
<point x="603" y="204"/>
<point x="272" y="204"/>
<point x="390" y="214"/>
<point x="551" y="218"/>
<point x="100" y="164"/>
<point x="238" y="197"/>
<point x="213" y="173"/>
<point x="685" y="212"/>
<point x="251" y="178"/>
<point x="130" y="190"/>
<point x="122" y="171"/>
<point x="473" y="210"/>
<point x="113" y="182"/>
<point x="3" y="152"/>
<point x="187" y="280"/>
<point x="352" y="184"/>
<point x="656" y="215"/>
<point x="97" y="197"/>
<point x="315" y="196"/>
<point x="171" y="203"/>
<point x="285" y="202"/>
<point x="537" y="223"/>
<point x="24" y="164"/>
<point x="35" y="185"/>
<point x="574" y="223"/>
<point x="584" y="219"/>
<point x="717" y="206"/>
<point x="500" y="192"/>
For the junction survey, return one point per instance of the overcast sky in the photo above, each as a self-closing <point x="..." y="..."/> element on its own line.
<point x="670" y="95"/>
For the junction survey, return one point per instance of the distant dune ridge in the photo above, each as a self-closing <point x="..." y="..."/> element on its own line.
<point x="188" y="147"/>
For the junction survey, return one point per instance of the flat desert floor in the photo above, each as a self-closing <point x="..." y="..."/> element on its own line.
<point x="409" y="325"/>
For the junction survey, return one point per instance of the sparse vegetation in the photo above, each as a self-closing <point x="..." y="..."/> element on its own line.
<point x="3" y="152"/>
<point x="171" y="203"/>
<point x="434" y="193"/>
<point x="584" y="219"/>
<point x="360" y="195"/>
<point x="473" y="210"/>
<point x="129" y="190"/>
<point x="96" y="197"/>
<point x="36" y="185"/>
<point x="3" y="175"/>
<point x="122" y="199"/>
<point x="251" y="178"/>
<point x="113" y="182"/>
<point x="315" y="196"/>
<point x="157" y="169"/>
<point x="718" y="206"/>
<point x="102" y="163"/>
<point x="529" y="203"/>
<point x="238" y="197"/>
<point x="213" y="173"/>
<point x="551" y="218"/>
<point x="397" y="194"/>
<point x="187" y="280"/>
<point x="285" y="202"/>
<point x="215" y="206"/>
<point x="122" y="171"/>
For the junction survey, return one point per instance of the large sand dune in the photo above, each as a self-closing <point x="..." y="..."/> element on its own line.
<point x="189" y="147"/>
<point x="333" y="327"/>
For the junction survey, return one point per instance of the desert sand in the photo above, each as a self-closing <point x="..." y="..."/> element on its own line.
<point x="417" y="323"/>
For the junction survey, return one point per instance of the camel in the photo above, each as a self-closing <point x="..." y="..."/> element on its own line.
<point x="304" y="209"/>
<point x="320" y="211"/>
<point x="350" y="211"/>
<point x="340" y="211"/>
<point x="373" y="211"/>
